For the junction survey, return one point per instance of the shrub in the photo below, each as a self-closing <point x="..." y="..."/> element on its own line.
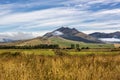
<point x="60" y="52"/>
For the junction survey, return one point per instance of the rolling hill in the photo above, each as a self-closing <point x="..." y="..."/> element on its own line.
<point x="64" y="37"/>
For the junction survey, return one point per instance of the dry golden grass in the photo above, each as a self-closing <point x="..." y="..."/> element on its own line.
<point x="117" y="45"/>
<point x="34" y="67"/>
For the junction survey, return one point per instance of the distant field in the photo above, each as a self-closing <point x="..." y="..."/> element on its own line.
<point x="52" y="52"/>
<point x="29" y="51"/>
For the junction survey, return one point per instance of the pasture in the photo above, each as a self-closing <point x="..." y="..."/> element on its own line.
<point x="52" y="52"/>
<point x="62" y="64"/>
<point x="117" y="45"/>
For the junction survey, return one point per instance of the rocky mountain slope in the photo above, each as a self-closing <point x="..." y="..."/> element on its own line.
<point x="72" y="34"/>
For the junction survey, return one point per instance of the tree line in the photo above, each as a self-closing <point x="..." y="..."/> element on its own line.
<point x="41" y="46"/>
<point x="77" y="46"/>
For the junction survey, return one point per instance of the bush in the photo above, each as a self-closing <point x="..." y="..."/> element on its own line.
<point x="83" y="48"/>
<point x="60" y="52"/>
<point x="11" y="54"/>
<point x="78" y="49"/>
<point x="87" y="47"/>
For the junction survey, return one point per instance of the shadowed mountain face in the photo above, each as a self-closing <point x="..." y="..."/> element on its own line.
<point x="106" y="35"/>
<point x="62" y="31"/>
<point x="68" y="31"/>
<point x="71" y="34"/>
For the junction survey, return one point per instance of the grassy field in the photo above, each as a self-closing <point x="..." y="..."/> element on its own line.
<point x="29" y="51"/>
<point x="35" y="67"/>
<point x="52" y="52"/>
<point x="117" y="45"/>
<point x="48" y="64"/>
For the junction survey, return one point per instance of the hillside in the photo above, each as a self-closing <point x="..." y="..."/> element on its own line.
<point x="67" y="43"/>
<point x="35" y="41"/>
<point x="72" y="34"/>
<point x="57" y="40"/>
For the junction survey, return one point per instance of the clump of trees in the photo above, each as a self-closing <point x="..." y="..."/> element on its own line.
<point x="41" y="46"/>
<point x="77" y="47"/>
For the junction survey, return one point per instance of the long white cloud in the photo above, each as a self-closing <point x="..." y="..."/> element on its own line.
<point x="20" y="35"/>
<point x="50" y="18"/>
<point x="69" y="15"/>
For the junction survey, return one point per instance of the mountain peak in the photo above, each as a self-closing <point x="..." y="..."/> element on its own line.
<point x="62" y="31"/>
<point x="67" y="30"/>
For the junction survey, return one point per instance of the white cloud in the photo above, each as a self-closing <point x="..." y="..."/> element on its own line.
<point x="27" y="4"/>
<point x="102" y="31"/>
<point x="107" y="12"/>
<point x="20" y="35"/>
<point x="75" y="13"/>
<point x="62" y="16"/>
<point x="110" y="39"/>
<point x="36" y="15"/>
<point x="3" y="13"/>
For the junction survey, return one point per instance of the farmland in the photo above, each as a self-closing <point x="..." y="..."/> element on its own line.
<point x="49" y="64"/>
<point x="52" y="52"/>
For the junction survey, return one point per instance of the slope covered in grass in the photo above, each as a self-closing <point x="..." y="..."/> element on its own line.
<point x="67" y="43"/>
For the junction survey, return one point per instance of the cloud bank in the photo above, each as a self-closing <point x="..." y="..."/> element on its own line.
<point x="40" y="16"/>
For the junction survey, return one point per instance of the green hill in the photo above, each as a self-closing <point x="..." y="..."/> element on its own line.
<point x="67" y="43"/>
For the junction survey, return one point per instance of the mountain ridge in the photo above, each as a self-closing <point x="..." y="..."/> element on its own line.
<point x="72" y="34"/>
<point x="106" y="35"/>
<point x="63" y="34"/>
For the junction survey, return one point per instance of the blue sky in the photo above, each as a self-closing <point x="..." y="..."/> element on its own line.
<point x="37" y="17"/>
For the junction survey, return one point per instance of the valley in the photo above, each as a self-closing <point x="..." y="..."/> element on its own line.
<point x="59" y="39"/>
<point x="64" y="53"/>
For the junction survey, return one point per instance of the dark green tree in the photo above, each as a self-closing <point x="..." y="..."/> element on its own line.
<point x="72" y="46"/>
<point x="77" y="46"/>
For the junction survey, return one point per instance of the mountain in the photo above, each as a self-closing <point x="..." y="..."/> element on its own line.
<point x="6" y="40"/>
<point x="32" y="42"/>
<point x="63" y="36"/>
<point x="71" y="34"/>
<point x="61" y="31"/>
<point x="107" y="37"/>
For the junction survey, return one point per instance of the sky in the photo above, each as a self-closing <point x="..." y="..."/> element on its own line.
<point x="23" y="19"/>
